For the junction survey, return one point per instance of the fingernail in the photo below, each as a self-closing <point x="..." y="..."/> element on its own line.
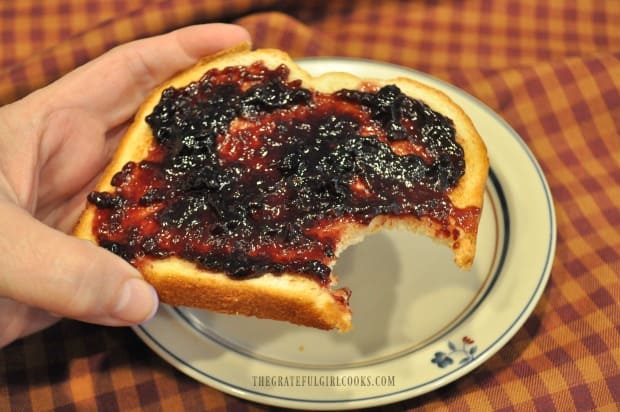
<point x="137" y="302"/>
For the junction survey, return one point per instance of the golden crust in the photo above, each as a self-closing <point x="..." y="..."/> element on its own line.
<point x="286" y="297"/>
<point x="296" y="299"/>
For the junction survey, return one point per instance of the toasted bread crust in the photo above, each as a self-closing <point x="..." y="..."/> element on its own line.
<point x="296" y="299"/>
<point x="288" y="297"/>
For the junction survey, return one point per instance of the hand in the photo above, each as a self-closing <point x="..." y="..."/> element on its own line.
<point x="54" y="144"/>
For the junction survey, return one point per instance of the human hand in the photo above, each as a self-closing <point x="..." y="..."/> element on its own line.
<point x="54" y="144"/>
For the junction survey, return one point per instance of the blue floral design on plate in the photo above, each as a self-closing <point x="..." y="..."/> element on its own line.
<point x="466" y="353"/>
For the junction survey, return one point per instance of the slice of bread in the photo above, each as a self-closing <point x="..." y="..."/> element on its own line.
<point x="291" y="297"/>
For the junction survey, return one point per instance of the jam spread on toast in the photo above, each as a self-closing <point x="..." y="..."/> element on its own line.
<point x="252" y="173"/>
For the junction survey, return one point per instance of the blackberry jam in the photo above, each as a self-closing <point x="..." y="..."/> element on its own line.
<point x="252" y="173"/>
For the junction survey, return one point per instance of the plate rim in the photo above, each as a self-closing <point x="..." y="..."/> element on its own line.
<point x="452" y="374"/>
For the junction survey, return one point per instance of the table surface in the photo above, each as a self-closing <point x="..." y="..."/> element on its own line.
<point x="550" y="69"/>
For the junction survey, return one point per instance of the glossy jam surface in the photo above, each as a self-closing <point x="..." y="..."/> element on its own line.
<point x="252" y="173"/>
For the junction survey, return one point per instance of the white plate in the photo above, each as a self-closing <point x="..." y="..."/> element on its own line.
<point x="419" y="322"/>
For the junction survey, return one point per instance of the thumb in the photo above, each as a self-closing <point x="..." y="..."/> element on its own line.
<point x="45" y="268"/>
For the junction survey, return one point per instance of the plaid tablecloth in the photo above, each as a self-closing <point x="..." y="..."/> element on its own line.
<point x="550" y="68"/>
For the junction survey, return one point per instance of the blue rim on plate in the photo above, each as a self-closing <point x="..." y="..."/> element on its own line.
<point x="443" y="361"/>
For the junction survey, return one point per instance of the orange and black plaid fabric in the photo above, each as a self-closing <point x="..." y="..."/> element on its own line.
<point x="551" y="69"/>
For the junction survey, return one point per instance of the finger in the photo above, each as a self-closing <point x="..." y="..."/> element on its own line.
<point x="65" y="175"/>
<point x="70" y="277"/>
<point x="113" y="85"/>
